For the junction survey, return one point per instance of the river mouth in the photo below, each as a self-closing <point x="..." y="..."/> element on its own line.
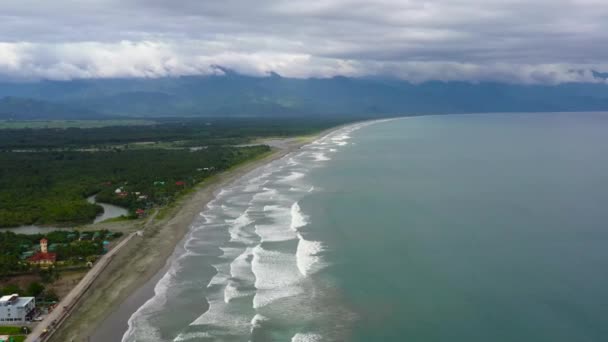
<point x="109" y="211"/>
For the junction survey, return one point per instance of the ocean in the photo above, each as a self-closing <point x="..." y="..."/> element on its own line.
<point x="490" y="227"/>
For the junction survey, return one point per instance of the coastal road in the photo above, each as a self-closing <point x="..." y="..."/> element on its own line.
<point x="65" y="306"/>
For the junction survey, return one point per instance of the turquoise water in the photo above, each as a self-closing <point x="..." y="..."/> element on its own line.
<point x="438" y="228"/>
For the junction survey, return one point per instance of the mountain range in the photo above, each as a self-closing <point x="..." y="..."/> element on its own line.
<point x="236" y="95"/>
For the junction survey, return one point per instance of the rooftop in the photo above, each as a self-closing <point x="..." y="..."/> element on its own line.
<point x="15" y="300"/>
<point x="43" y="256"/>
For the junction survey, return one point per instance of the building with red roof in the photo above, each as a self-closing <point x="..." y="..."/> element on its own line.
<point x="43" y="258"/>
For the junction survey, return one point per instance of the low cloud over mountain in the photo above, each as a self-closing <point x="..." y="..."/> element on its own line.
<point x="514" y="41"/>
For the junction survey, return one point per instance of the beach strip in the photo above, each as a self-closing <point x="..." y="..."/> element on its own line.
<point x="135" y="269"/>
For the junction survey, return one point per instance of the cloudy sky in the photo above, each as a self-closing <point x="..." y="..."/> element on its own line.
<point x="523" y="41"/>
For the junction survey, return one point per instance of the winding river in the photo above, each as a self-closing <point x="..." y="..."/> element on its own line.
<point x="109" y="211"/>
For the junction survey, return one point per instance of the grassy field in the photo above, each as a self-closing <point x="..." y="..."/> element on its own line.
<point x="9" y="330"/>
<point x="62" y="124"/>
<point x="13" y="331"/>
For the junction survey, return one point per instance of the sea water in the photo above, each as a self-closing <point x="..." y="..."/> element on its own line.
<point x="439" y="228"/>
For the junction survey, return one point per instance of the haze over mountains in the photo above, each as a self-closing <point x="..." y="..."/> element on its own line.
<point x="233" y="94"/>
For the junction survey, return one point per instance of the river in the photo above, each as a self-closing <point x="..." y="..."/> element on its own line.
<point x="109" y="211"/>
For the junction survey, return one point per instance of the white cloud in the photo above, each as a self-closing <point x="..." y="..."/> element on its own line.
<point x="539" y="41"/>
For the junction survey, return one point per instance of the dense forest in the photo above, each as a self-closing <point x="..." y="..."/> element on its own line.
<point x="189" y="132"/>
<point x="51" y="187"/>
<point x="46" y="174"/>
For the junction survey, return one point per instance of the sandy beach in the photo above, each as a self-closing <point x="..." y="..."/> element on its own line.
<point x="130" y="278"/>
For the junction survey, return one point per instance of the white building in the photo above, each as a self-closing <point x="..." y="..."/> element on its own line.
<point x="15" y="309"/>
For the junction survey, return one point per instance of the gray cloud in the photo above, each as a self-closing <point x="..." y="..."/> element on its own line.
<point x="536" y="41"/>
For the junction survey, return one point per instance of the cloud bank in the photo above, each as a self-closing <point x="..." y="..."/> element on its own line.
<point x="535" y="41"/>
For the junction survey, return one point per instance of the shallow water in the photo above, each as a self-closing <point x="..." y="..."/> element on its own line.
<point x="440" y="228"/>
<point x="109" y="210"/>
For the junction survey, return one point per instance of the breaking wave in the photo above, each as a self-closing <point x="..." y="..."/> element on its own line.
<point x="253" y="253"/>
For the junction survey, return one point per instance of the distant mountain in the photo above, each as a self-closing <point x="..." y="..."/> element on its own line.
<point x="14" y="108"/>
<point x="602" y="75"/>
<point x="238" y="95"/>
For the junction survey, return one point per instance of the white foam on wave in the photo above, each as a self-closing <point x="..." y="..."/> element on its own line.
<point x="182" y="337"/>
<point x="298" y="219"/>
<point x="261" y="176"/>
<point x="294" y="175"/>
<point x="306" y="337"/>
<point x="240" y="270"/>
<point x="307" y="257"/>
<point x="271" y="207"/>
<point x="274" y="232"/>
<point x="257" y="321"/>
<point x="231" y="210"/>
<point x="223" y="192"/>
<point x="276" y="276"/>
<point x="232" y="292"/>
<point x="140" y="329"/>
<point x="224" y="316"/>
<point x="209" y="218"/>
<point x="341" y="137"/>
<point x="223" y="266"/>
<point x="265" y="194"/>
<point x="254" y="186"/>
<point x="292" y="162"/>
<point x="278" y="230"/>
<point x="237" y="279"/>
<point x="195" y="246"/>
<point x="211" y="205"/>
<point x="320" y="156"/>
<point x="236" y="228"/>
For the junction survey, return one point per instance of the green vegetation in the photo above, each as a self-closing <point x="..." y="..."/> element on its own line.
<point x="184" y="133"/>
<point x="17" y="334"/>
<point x="46" y="174"/>
<point x="18" y="338"/>
<point x="63" y="124"/>
<point x="10" y="330"/>
<point x="50" y="188"/>
<point x="72" y="248"/>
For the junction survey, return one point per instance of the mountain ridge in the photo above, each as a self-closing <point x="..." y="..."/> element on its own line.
<point x="236" y="95"/>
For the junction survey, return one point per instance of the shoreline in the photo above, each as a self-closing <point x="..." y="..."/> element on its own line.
<point x="129" y="281"/>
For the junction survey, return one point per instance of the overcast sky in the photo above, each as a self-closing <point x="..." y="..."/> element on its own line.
<point x="525" y="41"/>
